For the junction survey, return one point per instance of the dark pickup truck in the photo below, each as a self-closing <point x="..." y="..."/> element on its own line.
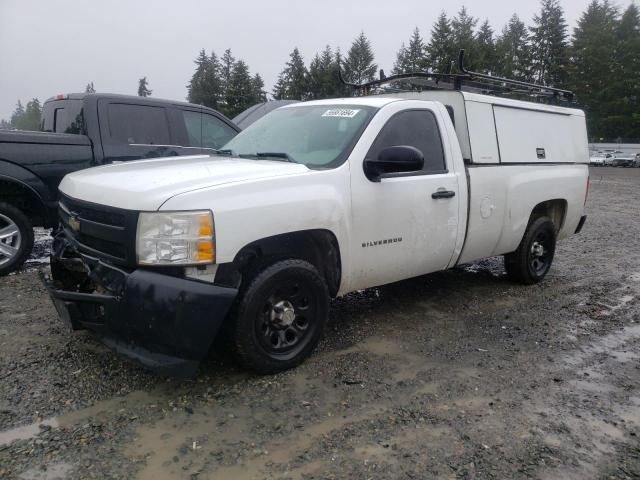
<point x="86" y="130"/>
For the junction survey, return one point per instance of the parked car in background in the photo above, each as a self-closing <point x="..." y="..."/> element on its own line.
<point x="87" y="130"/>
<point x="623" y="161"/>
<point x="636" y="161"/>
<point x="596" y="161"/>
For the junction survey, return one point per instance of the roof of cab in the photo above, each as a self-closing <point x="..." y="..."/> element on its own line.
<point x="372" y="101"/>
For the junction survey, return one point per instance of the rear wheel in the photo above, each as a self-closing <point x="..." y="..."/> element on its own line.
<point x="280" y="316"/>
<point x="16" y="238"/>
<point x="532" y="260"/>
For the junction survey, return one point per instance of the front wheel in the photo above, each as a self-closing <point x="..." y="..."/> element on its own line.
<point x="532" y="260"/>
<point x="16" y="238"/>
<point x="280" y="316"/>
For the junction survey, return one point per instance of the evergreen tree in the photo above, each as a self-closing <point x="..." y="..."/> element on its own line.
<point x="512" y="51"/>
<point x="27" y="118"/>
<point x="549" y="45"/>
<point x="624" y="112"/>
<point x="441" y="49"/>
<point x="463" y="26"/>
<point x="487" y="57"/>
<point x="359" y="66"/>
<point x="4" y="125"/>
<point x="399" y="66"/>
<point x="293" y="81"/>
<point x="89" y="88"/>
<point x="259" y="95"/>
<point x="240" y="91"/>
<point x="143" y="88"/>
<point x="226" y="68"/>
<point x="412" y="58"/>
<point x="592" y="62"/>
<point x="17" y="115"/>
<point x="323" y="76"/>
<point x="205" y="87"/>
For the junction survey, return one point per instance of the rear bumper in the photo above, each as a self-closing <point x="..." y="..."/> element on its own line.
<point x="164" y="322"/>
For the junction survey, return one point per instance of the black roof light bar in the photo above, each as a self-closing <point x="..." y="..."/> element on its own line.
<point x="464" y="80"/>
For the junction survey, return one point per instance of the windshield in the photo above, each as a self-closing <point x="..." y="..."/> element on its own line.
<point x="315" y="135"/>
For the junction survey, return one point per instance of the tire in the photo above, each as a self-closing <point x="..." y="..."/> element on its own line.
<point x="279" y="316"/>
<point x="532" y="260"/>
<point x="16" y="238"/>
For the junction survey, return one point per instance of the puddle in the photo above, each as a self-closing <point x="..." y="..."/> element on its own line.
<point x="57" y="471"/>
<point x="106" y="407"/>
<point x="26" y="432"/>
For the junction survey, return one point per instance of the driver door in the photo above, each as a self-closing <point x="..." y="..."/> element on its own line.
<point x="405" y="224"/>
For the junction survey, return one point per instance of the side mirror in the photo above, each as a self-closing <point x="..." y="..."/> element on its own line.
<point x="396" y="159"/>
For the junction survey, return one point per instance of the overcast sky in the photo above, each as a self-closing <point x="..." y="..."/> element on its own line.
<point x="58" y="46"/>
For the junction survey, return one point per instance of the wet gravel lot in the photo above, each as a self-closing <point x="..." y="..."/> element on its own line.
<point x="459" y="374"/>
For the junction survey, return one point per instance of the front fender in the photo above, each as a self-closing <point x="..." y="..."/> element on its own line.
<point x="245" y="212"/>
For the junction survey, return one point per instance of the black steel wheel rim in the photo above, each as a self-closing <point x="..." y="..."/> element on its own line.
<point x="540" y="252"/>
<point x="286" y="321"/>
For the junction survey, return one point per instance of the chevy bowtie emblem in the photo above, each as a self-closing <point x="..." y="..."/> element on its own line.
<point x="74" y="223"/>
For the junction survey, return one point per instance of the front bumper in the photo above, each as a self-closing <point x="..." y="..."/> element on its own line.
<point x="165" y="322"/>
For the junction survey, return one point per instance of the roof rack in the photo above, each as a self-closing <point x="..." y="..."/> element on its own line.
<point x="466" y="80"/>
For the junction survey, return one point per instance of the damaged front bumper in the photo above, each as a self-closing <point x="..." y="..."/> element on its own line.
<point x="166" y="322"/>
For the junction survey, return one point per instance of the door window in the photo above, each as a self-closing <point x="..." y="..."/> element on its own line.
<point x="415" y="128"/>
<point x="138" y="124"/>
<point x="206" y="131"/>
<point x="215" y="133"/>
<point x="193" y="126"/>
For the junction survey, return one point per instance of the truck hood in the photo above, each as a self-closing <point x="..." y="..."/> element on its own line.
<point x="147" y="184"/>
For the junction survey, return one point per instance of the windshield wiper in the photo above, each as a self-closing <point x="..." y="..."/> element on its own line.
<point x="276" y="155"/>
<point x="225" y="151"/>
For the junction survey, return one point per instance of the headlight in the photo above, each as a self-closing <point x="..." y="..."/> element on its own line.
<point x="175" y="238"/>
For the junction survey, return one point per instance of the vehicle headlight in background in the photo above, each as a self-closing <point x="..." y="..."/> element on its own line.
<point x="175" y="238"/>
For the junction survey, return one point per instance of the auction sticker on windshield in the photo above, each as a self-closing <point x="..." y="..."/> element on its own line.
<point x="341" y="113"/>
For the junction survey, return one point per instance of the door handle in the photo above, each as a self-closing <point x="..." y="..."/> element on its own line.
<point x="443" y="194"/>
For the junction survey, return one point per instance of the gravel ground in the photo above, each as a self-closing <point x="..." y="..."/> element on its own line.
<point x="458" y="374"/>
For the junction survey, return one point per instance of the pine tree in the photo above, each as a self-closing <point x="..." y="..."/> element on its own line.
<point x="592" y="62"/>
<point x="205" y="87"/>
<point x="359" y="66"/>
<point x="441" y="49"/>
<point x="549" y="45"/>
<point x="89" y="88"/>
<point x="293" y="81"/>
<point x="226" y="68"/>
<point x="512" y="51"/>
<point x="4" y="125"/>
<point x="399" y="66"/>
<point x="323" y="76"/>
<point x="487" y="57"/>
<point x="143" y="88"/>
<point x="17" y="115"/>
<point x="625" y="122"/>
<point x="259" y="95"/>
<point x="463" y="26"/>
<point x="27" y="118"/>
<point x="240" y="92"/>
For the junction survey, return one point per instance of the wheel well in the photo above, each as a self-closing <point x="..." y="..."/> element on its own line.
<point x="25" y="199"/>
<point x="555" y="209"/>
<point x="318" y="247"/>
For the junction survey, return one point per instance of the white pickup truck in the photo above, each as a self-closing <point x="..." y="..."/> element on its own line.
<point x="312" y="201"/>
